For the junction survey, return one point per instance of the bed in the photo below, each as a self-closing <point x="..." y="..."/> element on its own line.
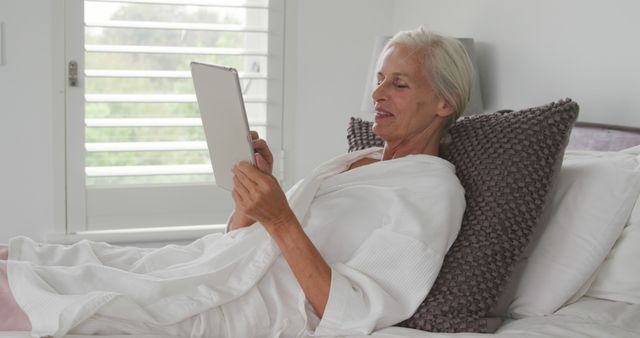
<point x="605" y="295"/>
<point x="588" y="317"/>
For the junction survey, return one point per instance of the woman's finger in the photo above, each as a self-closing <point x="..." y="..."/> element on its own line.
<point x="260" y="179"/>
<point x="247" y="174"/>
<point x="254" y="135"/>
<point x="258" y="183"/>
<point x="262" y="164"/>
<point x="261" y="146"/>
<point x="248" y="169"/>
<point x="239" y="187"/>
<point x="237" y="198"/>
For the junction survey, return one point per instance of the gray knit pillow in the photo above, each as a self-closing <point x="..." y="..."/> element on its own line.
<point x="360" y="136"/>
<point x="506" y="161"/>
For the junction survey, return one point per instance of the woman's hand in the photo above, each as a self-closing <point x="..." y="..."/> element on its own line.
<point x="258" y="195"/>
<point x="265" y="163"/>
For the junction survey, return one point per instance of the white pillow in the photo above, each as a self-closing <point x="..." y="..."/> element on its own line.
<point x="618" y="278"/>
<point x="594" y="196"/>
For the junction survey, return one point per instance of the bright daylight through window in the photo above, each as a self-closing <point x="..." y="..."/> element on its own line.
<point x="142" y="120"/>
<point x="136" y="150"/>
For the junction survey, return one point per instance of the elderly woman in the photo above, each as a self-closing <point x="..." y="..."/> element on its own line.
<point x="352" y="248"/>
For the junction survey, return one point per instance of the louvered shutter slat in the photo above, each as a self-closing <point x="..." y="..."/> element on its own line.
<point x="135" y="99"/>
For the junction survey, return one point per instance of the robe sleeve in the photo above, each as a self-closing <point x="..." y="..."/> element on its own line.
<point x="390" y="274"/>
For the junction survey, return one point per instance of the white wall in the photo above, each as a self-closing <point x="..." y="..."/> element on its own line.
<point x="26" y="119"/>
<point x="330" y="45"/>
<point x="533" y="52"/>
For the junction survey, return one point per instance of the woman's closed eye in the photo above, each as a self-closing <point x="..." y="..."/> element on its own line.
<point x="400" y="84"/>
<point x="396" y="83"/>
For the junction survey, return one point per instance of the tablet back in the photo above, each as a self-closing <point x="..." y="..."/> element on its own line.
<point x="224" y="119"/>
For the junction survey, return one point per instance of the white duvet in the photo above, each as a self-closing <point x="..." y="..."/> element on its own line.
<point x="589" y="317"/>
<point x="60" y="287"/>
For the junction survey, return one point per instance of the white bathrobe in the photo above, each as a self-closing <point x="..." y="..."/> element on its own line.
<point x="384" y="229"/>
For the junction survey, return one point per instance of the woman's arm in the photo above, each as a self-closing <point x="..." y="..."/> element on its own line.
<point x="309" y="267"/>
<point x="258" y="195"/>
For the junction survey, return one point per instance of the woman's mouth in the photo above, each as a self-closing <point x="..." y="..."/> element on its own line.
<point x="380" y="115"/>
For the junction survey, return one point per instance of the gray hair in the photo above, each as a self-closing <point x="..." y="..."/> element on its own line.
<point x="449" y="67"/>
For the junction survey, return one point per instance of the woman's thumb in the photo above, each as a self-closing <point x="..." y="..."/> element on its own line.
<point x="261" y="163"/>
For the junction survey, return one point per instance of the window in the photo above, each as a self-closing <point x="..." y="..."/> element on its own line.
<point x="136" y="153"/>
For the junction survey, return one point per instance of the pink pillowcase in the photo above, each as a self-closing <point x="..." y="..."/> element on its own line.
<point x="12" y="318"/>
<point x="4" y="252"/>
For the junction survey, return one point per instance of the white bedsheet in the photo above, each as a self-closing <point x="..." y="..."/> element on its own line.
<point x="588" y="317"/>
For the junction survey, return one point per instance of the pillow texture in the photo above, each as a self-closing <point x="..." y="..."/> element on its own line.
<point x="506" y="161"/>
<point x="360" y="136"/>
<point x="593" y="199"/>
<point x="618" y="278"/>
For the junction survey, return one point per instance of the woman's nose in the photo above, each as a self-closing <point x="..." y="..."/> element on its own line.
<point x="379" y="92"/>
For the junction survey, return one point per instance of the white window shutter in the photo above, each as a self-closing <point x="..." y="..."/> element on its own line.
<point x="143" y="158"/>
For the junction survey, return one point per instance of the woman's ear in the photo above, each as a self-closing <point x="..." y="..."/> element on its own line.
<point x="445" y="109"/>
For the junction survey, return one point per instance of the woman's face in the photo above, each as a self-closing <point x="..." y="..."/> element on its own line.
<point x="404" y="100"/>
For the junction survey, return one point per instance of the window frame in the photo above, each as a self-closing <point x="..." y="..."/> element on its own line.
<point x="94" y="212"/>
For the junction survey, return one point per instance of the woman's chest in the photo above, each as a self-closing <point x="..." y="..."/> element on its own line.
<point x="339" y="222"/>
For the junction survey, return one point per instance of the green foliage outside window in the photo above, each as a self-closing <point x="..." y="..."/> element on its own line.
<point x="171" y="86"/>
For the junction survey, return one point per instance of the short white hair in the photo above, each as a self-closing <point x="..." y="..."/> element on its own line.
<point x="448" y="66"/>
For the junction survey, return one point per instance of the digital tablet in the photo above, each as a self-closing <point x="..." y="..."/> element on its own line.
<point x="224" y="119"/>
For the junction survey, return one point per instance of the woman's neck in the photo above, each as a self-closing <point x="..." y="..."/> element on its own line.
<point x="427" y="145"/>
<point x="391" y="153"/>
<point x="423" y="142"/>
